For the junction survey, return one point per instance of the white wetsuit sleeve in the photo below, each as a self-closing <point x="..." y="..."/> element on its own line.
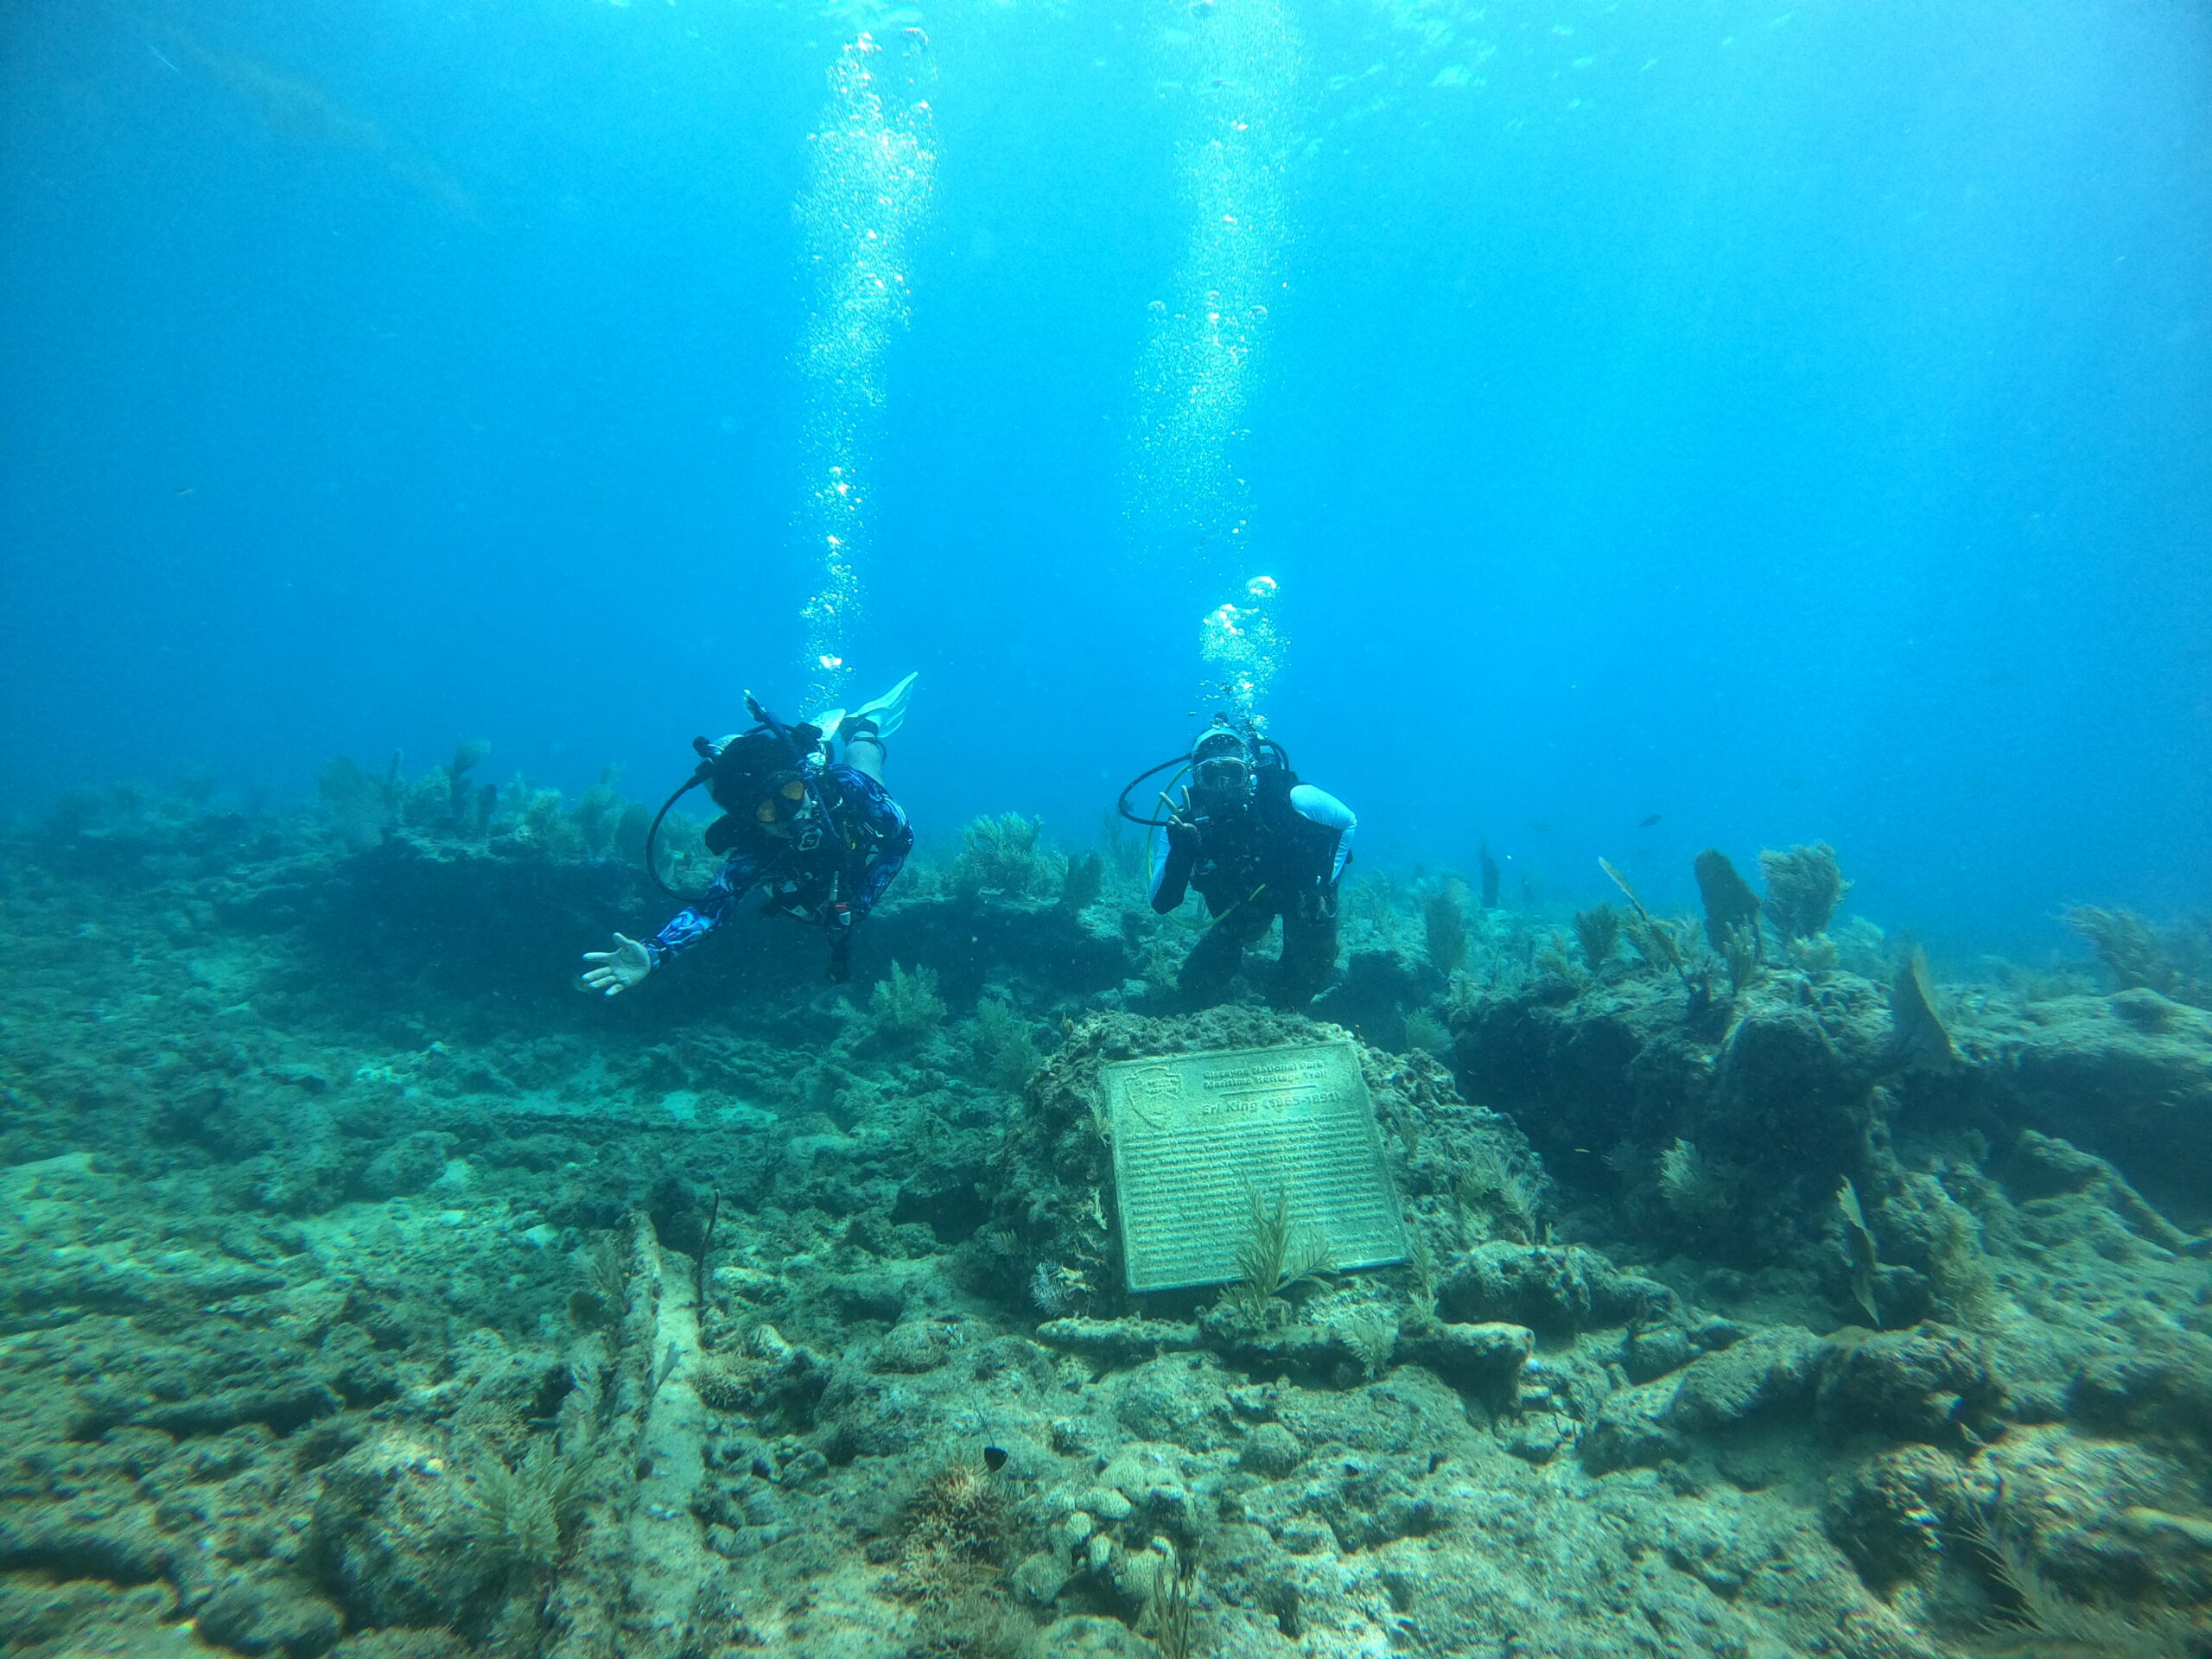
<point x="1319" y="806"/>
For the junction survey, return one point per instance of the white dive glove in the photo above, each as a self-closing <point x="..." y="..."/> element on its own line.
<point x="612" y="972"/>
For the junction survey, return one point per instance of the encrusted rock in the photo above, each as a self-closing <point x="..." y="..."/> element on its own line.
<point x="1890" y="1514"/>
<point x="407" y="1165"/>
<point x="1928" y="1383"/>
<point x="1562" y="1291"/>
<point x="1537" y="1437"/>
<point x="1484" y="1360"/>
<point x="1087" y="1636"/>
<point x="1266" y="1350"/>
<point x="1631" y="1432"/>
<point x="1370" y="1498"/>
<point x="1649" y="1354"/>
<point x="1270" y="1450"/>
<point x="1119" y="1342"/>
<point x="1174" y="1401"/>
<point x="2124" y="1078"/>
<point x="391" y="1534"/>
<point x="1771" y="1370"/>
<point x="270" y="1613"/>
<point x="401" y="1644"/>
<point x="912" y="1346"/>
<point x="2162" y="1388"/>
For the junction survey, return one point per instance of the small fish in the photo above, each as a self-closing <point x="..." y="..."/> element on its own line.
<point x="1648" y="821"/>
<point x="182" y="489"/>
<point x="1541" y="826"/>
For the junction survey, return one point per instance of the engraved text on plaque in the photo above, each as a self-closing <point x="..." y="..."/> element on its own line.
<point x="1197" y="1137"/>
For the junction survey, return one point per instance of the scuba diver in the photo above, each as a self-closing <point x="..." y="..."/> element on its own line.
<point x="1257" y="844"/>
<point x="823" y="836"/>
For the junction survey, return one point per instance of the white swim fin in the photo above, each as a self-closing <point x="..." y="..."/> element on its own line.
<point x="888" y="711"/>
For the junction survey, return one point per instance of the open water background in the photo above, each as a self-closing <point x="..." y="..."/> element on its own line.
<point x="1793" y="422"/>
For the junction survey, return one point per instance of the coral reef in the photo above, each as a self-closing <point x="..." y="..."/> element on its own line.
<point x="1920" y="1036"/>
<point x="904" y="1005"/>
<point x="365" y="1292"/>
<point x="1656" y="941"/>
<point x="1803" y="886"/>
<point x="1005" y="1044"/>
<point x="1598" y="932"/>
<point x="1083" y="881"/>
<point x="1732" y="909"/>
<point x="1002" y="856"/>
<point x="1444" y="929"/>
<point x="2174" y="961"/>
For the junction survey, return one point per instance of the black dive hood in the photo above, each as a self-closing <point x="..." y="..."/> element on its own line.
<point x="776" y="746"/>
<point x="1266" y="750"/>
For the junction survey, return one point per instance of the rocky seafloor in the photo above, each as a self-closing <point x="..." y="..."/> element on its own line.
<point x="364" y="1290"/>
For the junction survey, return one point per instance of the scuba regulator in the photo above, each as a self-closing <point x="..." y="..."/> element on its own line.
<point x="1268" y="765"/>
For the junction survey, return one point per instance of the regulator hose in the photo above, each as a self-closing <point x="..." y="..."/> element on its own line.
<point x="652" y="835"/>
<point x="1121" y="804"/>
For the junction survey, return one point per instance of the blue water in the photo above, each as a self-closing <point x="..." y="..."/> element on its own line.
<point x="1796" y="423"/>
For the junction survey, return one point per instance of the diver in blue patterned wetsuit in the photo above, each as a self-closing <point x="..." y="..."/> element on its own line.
<point x="1257" y="844"/>
<point x="821" y="837"/>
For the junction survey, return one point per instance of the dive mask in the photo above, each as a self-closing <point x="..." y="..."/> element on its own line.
<point x="1226" y="774"/>
<point x="787" y="799"/>
<point x="1220" y="765"/>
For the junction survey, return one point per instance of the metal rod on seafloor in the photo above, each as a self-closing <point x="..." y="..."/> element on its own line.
<point x="699" y="1285"/>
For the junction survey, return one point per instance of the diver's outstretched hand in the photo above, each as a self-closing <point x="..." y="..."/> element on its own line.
<point x="612" y="972"/>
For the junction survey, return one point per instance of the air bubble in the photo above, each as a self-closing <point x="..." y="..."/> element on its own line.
<point x="874" y="168"/>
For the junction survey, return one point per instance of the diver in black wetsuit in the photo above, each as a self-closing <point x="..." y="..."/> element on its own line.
<point x="1257" y="844"/>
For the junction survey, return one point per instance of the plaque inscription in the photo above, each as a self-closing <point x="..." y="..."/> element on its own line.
<point x="1197" y="1137"/>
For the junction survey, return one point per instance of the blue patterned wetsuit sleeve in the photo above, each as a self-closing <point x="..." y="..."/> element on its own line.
<point x="887" y="835"/>
<point x="737" y="877"/>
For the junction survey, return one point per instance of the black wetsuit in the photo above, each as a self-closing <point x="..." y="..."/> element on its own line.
<point x="1280" y="853"/>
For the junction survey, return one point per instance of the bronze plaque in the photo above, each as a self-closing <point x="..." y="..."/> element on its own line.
<point x="1197" y="1137"/>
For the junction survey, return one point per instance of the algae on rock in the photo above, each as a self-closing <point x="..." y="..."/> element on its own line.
<point x="1274" y="1258"/>
<point x="520" y="1512"/>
